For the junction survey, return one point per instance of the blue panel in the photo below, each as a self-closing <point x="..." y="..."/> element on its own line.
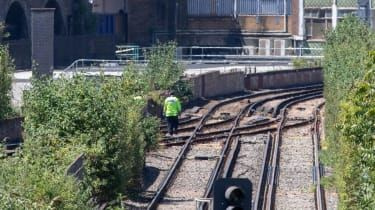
<point x="244" y="7"/>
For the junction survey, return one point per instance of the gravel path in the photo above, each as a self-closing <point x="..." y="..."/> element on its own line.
<point x="295" y="184"/>
<point x="158" y="163"/>
<point x="249" y="161"/>
<point x="192" y="177"/>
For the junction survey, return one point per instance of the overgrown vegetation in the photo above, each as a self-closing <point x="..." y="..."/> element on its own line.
<point x="346" y="56"/>
<point x="6" y="70"/>
<point x="357" y="125"/>
<point x="306" y="63"/>
<point x="103" y="118"/>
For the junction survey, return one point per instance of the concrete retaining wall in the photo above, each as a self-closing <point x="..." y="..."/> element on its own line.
<point x="283" y="79"/>
<point x="11" y="128"/>
<point x="214" y="84"/>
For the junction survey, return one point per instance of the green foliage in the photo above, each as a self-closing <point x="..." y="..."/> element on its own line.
<point x="357" y="126"/>
<point x="162" y="70"/>
<point x="3" y="34"/>
<point x="182" y="89"/>
<point x="6" y="70"/>
<point x="27" y="183"/>
<point x="345" y="55"/>
<point x="101" y="119"/>
<point x="349" y="118"/>
<point x="305" y="63"/>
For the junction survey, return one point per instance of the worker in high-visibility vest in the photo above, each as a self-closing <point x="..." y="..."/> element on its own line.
<point x="172" y="108"/>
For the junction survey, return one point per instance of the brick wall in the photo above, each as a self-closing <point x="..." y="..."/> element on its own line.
<point x="144" y="18"/>
<point x="293" y="19"/>
<point x="70" y="48"/>
<point x="247" y="23"/>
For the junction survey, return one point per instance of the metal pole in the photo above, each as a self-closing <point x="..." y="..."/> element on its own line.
<point x="285" y="24"/>
<point x="301" y="19"/>
<point x="334" y="14"/>
<point x="235" y="9"/>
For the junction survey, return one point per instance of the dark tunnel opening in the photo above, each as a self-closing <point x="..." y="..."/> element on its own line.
<point x="59" y="28"/>
<point x="16" y="22"/>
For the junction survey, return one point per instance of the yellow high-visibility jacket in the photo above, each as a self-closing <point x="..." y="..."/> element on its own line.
<point x="172" y="107"/>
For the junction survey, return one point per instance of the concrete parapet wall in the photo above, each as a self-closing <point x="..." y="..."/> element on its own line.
<point x="215" y="84"/>
<point x="282" y="79"/>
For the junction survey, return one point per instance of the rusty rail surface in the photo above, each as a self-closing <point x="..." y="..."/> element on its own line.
<point x="270" y="198"/>
<point x="172" y="172"/>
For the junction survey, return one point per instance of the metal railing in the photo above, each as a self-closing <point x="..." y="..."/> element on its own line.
<point x="199" y="202"/>
<point x="199" y="55"/>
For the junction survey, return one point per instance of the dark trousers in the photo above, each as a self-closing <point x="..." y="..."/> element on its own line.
<point x="172" y="124"/>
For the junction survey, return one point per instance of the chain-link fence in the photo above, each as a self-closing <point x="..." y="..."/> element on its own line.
<point x="328" y="3"/>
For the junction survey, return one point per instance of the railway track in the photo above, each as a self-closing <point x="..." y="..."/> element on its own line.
<point x="257" y="176"/>
<point x="233" y="128"/>
<point x="294" y="162"/>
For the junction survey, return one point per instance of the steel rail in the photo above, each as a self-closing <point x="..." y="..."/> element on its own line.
<point x="182" y="121"/>
<point x="206" y="125"/>
<point x="264" y="130"/>
<point x="319" y="191"/>
<point x="258" y="103"/>
<point x="263" y="174"/>
<point x="224" y="156"/>
<point x="286" y="101"/>
<point x="269" y="205"/>
<point x="228" y="169"/>
<point x="177" y="163"/>
<point x="219" y="164"/>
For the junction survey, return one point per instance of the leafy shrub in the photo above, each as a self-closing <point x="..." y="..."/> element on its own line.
<point x="349" y="127"/>
<point x="97" y="114"/>
<point x="345" y="56"/>
<point x="357" y="125"/>
<point x="102" y="117"/>
<point x="305" y="63"/>
<point x="162" y="70"/>
<point x="6" y="70"/>
<point x="35" y="177"/>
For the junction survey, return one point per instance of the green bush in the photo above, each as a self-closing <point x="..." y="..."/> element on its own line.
<point x="28" y="183"/>
<point x="162" y="70"/>
<point x="305" y="63"/>
<point x="6" y="70"/>
<point x="357" y="126"/>
<point x="102" y="117"/>
<point x="345" y="55"/>
<point x="103" y="120"/>
<point x="349" y="118"/>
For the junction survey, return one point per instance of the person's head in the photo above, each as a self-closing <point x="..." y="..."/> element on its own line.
<point x="171" y="93"/>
